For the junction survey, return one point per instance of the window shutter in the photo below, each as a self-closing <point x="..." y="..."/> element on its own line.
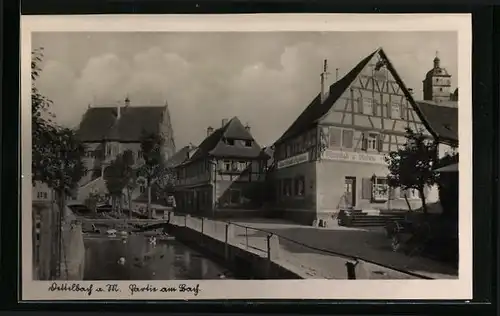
<point x="380" y="143"/>
<point x="366" y="189"/>
<point x="347" y="137"/>
<point x="335" y="137"/>
<point x="360" y="105"/>
<point x="364" y="142"/>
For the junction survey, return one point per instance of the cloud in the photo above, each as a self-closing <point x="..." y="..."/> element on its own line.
<point x="264" y="79"/>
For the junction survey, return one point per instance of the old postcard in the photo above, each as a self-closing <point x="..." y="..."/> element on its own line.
<point x="246" y="157"/>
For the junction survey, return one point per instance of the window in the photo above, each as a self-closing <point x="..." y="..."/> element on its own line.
<point x="230" y="142"/>
<point x="395" y="110"/>
<point x="248" y="143"/>
<point x="227" y="165"/>
<point x="235" y="166"/>
<point x="411" y="194"/>
<point x="313" y="137"/>
<point x="299" y="186"/>
<point x="372" y="142"/>
<point x="335" y="137"/>
<point x="242" y="165"/>
<point x="140" y="154"/>
<point x="380" y="189"/>
<point x="287" y="187"/>
<point x="142" y="189"/>
<point x="366" y="106"/>
<point x="347" y="137"/>
<point x="42" y="195"/>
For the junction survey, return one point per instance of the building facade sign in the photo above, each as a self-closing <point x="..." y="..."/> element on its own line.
<point x="295" y="160"/>
<point x="353" y="157"/>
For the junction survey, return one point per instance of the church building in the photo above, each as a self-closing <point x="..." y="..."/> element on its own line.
<point x="332" y="157"/>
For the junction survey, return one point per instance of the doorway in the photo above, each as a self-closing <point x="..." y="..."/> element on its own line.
<point x="350" y="192"/>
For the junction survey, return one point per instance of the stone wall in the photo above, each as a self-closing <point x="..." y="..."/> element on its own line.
<point x="232" y="257"/>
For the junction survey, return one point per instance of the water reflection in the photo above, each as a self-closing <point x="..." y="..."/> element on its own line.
<point x="167" y="260"/>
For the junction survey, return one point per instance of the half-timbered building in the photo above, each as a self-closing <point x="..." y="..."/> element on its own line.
<point x="224" y="172"/>
<point x="332" y="155"/>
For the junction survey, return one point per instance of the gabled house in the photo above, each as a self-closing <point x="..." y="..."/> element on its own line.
<point x="223" y="172"/>
<point x="108" y="131"/>
<point x="332" y="157"/>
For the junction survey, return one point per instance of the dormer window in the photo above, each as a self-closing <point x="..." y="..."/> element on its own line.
<point x="248" y="143"/>
<point x="230" y="142"/>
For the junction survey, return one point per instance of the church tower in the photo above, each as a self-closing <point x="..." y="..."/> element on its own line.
<point x="437" y="83"/>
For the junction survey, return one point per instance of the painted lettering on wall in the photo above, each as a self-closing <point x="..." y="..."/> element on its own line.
<point x="293" y="160"/>
<point x="353" y="157"/>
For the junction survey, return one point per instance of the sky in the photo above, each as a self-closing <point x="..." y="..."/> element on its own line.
<point x="266" y="79"/>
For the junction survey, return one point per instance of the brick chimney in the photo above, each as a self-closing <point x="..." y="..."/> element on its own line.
<point x="210" y="130"/>
<point x="224" y="122"/>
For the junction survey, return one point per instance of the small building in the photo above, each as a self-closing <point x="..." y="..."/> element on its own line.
<point x="332" y="157"/>
<point x="224" y="172"/>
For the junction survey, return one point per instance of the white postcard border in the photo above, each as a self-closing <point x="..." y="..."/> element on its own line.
<point x="267" y="289"/>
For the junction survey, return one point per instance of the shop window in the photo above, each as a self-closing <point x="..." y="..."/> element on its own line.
<point x="335" y="137"/>
<point x="347" y="138"/>
<point x="380" y="189"/>
<point x="299" y="186"/>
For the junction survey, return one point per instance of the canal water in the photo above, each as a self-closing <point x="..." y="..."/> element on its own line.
<point x="135" y="258"/>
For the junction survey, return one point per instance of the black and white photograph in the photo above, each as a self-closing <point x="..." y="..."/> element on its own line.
<point x="246" y="158"/>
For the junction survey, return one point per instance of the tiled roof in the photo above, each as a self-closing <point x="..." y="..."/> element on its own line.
<point x="443" y="120"/>
<point x="100" y="123"/>
<point x="315" y="110"/>
<point x="179" y="157"/>
<point x="214" y="144"/>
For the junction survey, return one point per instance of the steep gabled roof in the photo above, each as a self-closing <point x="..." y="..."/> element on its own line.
<point x="443" y="120"/>
<point x="179" y="157"/>
<point x="316" y="110"/>
<point x="101" y="123"/>
<point x="215" y="146"/>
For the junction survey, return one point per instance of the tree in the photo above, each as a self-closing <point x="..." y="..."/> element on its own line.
<point x="411" y="167"/>
<point x="130" y="176"/>
<point x="117" y="176"/>
<point x="56" y="152"/>
<point x="154" y="170"/>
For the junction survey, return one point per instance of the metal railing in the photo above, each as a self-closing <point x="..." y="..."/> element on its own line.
<point x="300" y="258"/>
